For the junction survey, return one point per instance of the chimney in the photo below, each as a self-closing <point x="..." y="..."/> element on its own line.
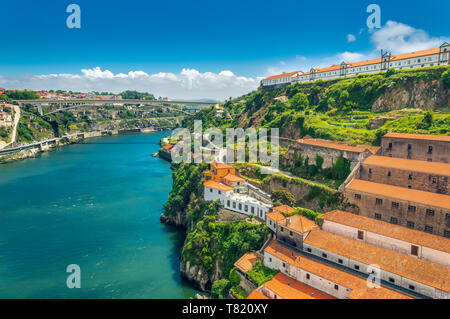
<point x="287" y="221"/>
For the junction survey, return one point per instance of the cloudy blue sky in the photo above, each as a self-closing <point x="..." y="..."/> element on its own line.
<point x="200" y="49"/>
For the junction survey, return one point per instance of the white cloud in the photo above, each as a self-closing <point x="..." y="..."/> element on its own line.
<point x="351" y="38"/>
<point x="350" y="56"/>
<point x="189" y="83"/>
<point x="401" y="38"/>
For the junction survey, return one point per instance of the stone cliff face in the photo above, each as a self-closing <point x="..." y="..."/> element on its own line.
<point x="426" y="95"/>
<point x="198" y="276"/>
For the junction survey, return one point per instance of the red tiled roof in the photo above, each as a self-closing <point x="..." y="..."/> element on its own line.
<point x="402" y="193"/>
<point x="283" y="75"/>
<point x="215" y="185"/>
<point x="389" y="230"/>
<point x="418" y="270"/>
<point x="288" y="288"/>
<point x="246" y="262"/>
<point x="409" y="165"/>
<point x="427" y="137"/>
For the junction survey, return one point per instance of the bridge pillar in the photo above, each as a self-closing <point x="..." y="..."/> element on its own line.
<point x="40" y="109"/>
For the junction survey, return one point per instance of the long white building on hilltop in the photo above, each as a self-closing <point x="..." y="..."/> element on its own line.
<point x="413" y="60"/>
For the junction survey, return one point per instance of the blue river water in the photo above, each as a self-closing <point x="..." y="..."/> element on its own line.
<point x="97" y="205"/>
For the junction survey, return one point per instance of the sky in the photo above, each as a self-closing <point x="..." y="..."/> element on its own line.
<point x="200" y="49"/>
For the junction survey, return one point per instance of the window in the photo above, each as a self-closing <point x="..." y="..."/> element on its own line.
<point x="409" y="147"/>
<point x="336" y="287"/>
<point x="356" y="267"/>
<point x="394" y="220"/>
<point x="324" y="255"/>
<point x="414" y="250"/>
<point x="340" y="261"/>
<point x="234" y="205"/>
<point x="389" y="174"/>
<point x="377" y="216"/>
<point x="360" y="234"/>
<point x="410" y="177"/>
<point x="210" y="190"/>
<point x="290" y="233"/>
<point x="447" y="216"/>
<point x="252" y="209"/>
<point x="228" y="203"/>
<point x="411" y="208"/>
<point x="430" y="212"/>
<point x="412" y="287"/>
<point x="429" y="229"/>
<point x="390" y="146"/>
<point x="308" y="250"/>
<point x="308" y="276"/>
<point x="395" y="204"/>
<point x="246" y="208"/>
<point x="281" y="229"/>
<point x="434" y="181"/>
<point x="270" y="259"/>
<point x="430" y="149"/>
<point x="370" y="171"/>
<point x="240" y="206"/>
<point x="357" y="196"/>
<point x="447" y="233"/>
<point x="284" y="265"/>
<point x="410" y="224"/>
<point x="378" y="201"/>
<point x="391" y="280"/>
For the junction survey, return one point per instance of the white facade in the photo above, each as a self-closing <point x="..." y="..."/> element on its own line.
<point x="306" y="277"/>
<point x="387" y="276"/>
<point x="236" y="202"/>
<point x="397" y="245"/>
<point x="434" y="57"/>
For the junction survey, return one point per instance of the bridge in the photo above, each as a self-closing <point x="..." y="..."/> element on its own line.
<point x="74" y="103"/>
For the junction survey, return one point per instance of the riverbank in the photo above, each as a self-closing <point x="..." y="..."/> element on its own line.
<point x="40" y="147"/>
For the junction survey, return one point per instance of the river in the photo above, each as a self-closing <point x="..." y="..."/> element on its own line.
<point x="97" y="205"/>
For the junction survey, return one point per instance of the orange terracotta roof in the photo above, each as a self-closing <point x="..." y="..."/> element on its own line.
<point x="427" y="137"/>
<point x="215" y="185"/>
<point x="396" y="57"/>
<point x="389" y="230"/>
<point x="336" y="145"/>
<point x="275" y="216"/>
<point x="220" y="165"/>
<point x="283" y="209"/>
<point x="402" y="193"/>
<point x="363" y="63"/>
<point x="334" y="67"/>
<point x="233" y="178"/>
<point x="419" y="270"/>
<point x="288" y="288"/>
<point x="409" y="165"/>
<point x="246" y="262"/>
<point x="283" y="75"/>
<point x="299" y="224"/>
<point x="255" y="294"/>
<point x="356" y="284"/>
<point x="167" y="147"/>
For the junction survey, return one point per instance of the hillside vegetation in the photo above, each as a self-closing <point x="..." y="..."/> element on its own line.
<point x="358" y="110"/>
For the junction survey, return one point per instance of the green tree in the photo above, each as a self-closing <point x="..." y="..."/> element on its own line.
<point x="445" y="77"/>
<point x="319" y="161"/>
<point x="220" y="288"/>
<point x="299" y="101"/>
<point x="427" y="119"/>
<point x="235" y="279"/>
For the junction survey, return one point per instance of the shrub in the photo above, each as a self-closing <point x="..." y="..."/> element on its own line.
<point x="445" y="77"/>
<point x="282" y="196"/>
<point x="235" y="279"/>
<point x="220" y="288"/>
<point x="259" y="274"/>
<point x="299" y="101"/>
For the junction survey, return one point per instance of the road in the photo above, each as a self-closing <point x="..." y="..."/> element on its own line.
<point x="14" y="129"/>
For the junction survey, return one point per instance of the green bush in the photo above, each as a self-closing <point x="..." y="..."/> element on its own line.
<point x="235" y="279"/>
<point x="238" y="292"/>
<point x="445" y="77"/>
<point x="220" y="288"/>
<point x="259" y="274"/>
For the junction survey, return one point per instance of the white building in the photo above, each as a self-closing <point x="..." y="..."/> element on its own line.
<point x="413" y="60"/>
<point x="234" y="201"/>
<point x="400" y="239"/>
